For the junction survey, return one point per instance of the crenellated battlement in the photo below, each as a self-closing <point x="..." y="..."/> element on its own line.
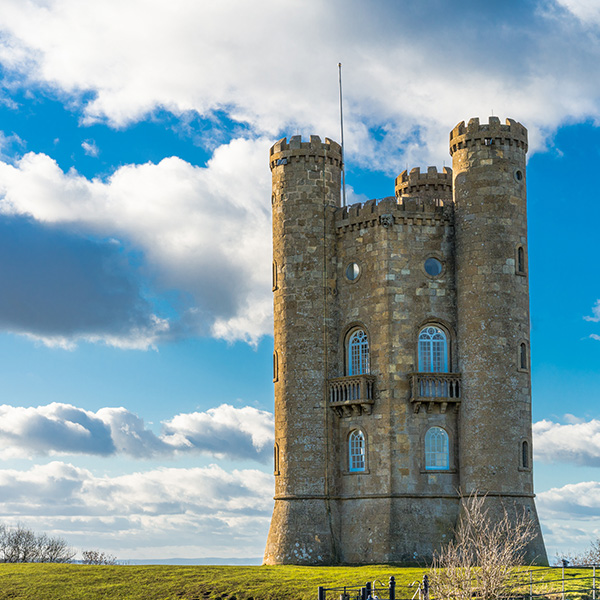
<point x="388" y="211"/>
<point x="490" y="134"/>
<point x="415" y="182"/>
<point x="284" y="152"/>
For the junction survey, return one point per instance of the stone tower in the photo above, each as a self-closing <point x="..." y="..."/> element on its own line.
<point x="401" y="363"/>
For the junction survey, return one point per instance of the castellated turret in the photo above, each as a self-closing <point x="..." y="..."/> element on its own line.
<point x="401" y="363"/>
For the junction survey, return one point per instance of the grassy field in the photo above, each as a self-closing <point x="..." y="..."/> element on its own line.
<point x="79" y="582"/>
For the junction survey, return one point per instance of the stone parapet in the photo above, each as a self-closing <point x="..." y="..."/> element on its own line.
<point x="491" y="134"/>
<point x="284" y="152"/>
<point x="388" y="211"/>
<point x="409" y="184"/>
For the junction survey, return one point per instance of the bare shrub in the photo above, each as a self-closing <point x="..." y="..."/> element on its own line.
<point x="21" y="545"/>
<point x="589" y="557"/>
<point x="482" y="559"/>
<point x="95" y="557"/>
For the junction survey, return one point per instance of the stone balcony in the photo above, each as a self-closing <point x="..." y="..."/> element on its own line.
<point x="352" y="395"/>
<point x="431" y="389"/>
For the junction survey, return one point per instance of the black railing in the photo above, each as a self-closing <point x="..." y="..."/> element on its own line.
<point x="553" y="583"/>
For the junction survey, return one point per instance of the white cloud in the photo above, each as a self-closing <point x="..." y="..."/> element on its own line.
<point x="161" y="513"/>
<point x="63" y="429"/>
<point x="595" y="312"/>
<point x="273" y="66"/>
<point x="587" y="11"/>
<point x="203" y="231"/>
<point x="224" y="430"/>
<point x="90" y="148"/>
<point x="575" y="500"/>
<point x="575" y="442"/>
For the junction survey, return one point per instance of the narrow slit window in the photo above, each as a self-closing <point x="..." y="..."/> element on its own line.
<point x="523" y="359"/>
<point x="520" y="260"/>
<point x="525" y="455"/>
<point x="276" y="459"/>
<point x="274" y="275"/>
<point x="275" y="366"/>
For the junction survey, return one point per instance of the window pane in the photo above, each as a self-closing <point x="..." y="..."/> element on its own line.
<point x="358" y="353"/>
<point x="433" y="351"/>
<point x="356" y="451"/>
<point x="437" y="449"/>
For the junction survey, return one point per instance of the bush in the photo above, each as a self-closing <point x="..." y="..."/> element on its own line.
<point x="21" y="545"/>
<point x="484" y="556"/>
<point x="95" y="557"/>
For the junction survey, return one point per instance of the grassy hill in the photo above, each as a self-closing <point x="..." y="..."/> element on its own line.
<point x="80" y="582"/>
<point x="166" y="582"/>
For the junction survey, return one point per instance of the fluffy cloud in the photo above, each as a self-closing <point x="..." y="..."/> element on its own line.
<point x="575" y="500"/>
<point x="595" y="312"/>
<point x="273" y="66"/>
<point x="202" y="231"/>
<point x="587" y="11"/>
<point x="154" y="514"/>
<point x="58" y="429"/>
<point x="59" y="287"/>
<point x="576" y="442"/>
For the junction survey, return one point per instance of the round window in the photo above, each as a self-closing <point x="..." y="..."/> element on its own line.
<point x="352" y="271"/>
<point x="433" y="266"/>
<point x="518" y="175"/>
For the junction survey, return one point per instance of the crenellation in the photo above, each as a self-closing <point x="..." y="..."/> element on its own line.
<point x="439" y="257"/>
<point x="432" y="182"/>
<point x="488" y="135"/>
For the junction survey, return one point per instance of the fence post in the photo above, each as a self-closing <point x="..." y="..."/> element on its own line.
<point x="564" y="564"/>
<point x="363" y="593"/>
<point x="368" y="589"/>
<point x="321" y="593"/>
<point x="594" y="582"/>
<point x="425" y="587"/>
<point x="392" y="588"/>
<point x="530" y="586"/>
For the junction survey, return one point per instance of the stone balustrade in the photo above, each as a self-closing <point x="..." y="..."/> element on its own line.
<point x="352" y="395"/>
<point x="435" y="388"/>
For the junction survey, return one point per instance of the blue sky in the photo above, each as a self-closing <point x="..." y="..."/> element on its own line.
<point x="135" y="318"/>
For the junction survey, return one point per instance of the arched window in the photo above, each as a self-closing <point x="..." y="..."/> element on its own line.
<point x="433" y="350"/>
<point x="523" y="362"/>
<point x="525" y="455"/>
<point x="437" y="450"/>
<point x="358" y="353"/>
<point x="356" y="451"/>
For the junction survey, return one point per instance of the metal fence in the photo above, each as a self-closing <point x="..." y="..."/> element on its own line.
<point x="554" y="583"/>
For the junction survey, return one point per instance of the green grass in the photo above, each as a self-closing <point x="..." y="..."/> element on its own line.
<point x="79" y="582"/>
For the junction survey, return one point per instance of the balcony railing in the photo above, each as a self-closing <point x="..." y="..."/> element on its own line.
<point x="352" y="395"/>
<point x="435" y="389"/>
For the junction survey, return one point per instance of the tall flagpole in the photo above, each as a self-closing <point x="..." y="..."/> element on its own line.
<point x="342" y="132"/>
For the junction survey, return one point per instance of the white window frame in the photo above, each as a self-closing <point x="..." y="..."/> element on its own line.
<point x="358" y="353"/>
<point x="437" y="449"/>
<point x="432" y="350"/>
<point x="357" y="450"/>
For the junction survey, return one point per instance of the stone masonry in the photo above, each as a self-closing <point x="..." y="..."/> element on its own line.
<point x="341" y="270"/>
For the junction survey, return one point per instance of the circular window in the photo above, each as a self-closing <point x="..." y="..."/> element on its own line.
<point x="352" y="271"/>
<point x="519" y="175"/>
<point x="433" y="266"/>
